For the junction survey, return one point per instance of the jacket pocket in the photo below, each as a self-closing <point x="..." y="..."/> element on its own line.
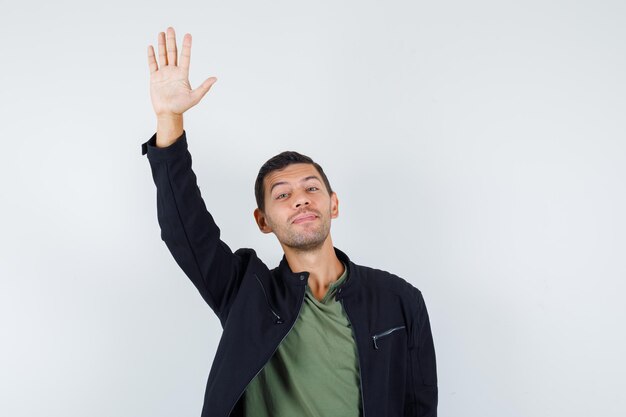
<point x="277" y="318"/>
<point x="378" y="336"/>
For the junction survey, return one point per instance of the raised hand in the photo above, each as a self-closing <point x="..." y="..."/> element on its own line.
<point x="170" y="91"/>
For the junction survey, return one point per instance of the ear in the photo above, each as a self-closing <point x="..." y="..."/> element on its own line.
<point x="261" y="221"/>
<point x="334" y="206"/>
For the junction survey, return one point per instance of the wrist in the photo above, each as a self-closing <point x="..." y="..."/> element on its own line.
<point x="169" y="128"/>
<point x="169" y="117"/>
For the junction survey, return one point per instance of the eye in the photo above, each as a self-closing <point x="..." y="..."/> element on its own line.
<point x="314" y="187"/>
<point x="278" y="197"/>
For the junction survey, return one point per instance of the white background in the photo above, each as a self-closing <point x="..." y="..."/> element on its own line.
<point x="477" y="149"/>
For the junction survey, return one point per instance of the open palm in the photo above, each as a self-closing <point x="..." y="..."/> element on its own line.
<point x="170" y="91"/>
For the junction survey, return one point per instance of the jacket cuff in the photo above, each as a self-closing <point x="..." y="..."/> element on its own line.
<point x="161" y="154"/>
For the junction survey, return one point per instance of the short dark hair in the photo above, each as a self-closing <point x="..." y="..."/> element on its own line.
<point x="280" y="161"/>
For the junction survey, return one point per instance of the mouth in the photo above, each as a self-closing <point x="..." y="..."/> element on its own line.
<point x="305" y="218"/>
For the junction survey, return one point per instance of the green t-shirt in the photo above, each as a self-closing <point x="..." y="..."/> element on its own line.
<point x="315" y="370"/>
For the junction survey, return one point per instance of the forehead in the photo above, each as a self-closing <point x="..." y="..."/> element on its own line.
<point x="291" y="173"/>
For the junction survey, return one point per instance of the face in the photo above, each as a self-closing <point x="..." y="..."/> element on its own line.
<point x="298" y="209"/>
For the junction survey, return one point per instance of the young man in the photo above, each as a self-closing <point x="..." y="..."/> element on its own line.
<point x="316" y="336"/>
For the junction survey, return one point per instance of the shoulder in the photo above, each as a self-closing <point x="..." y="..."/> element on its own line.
<point x="384" y="281"/>
<point x="250" y="261"/>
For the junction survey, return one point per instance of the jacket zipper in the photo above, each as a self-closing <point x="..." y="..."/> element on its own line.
<point x="385" y="333"/>
<point x="357" y="353"/>
<point x="275" y="349"/>
<point x="278" y="319"/>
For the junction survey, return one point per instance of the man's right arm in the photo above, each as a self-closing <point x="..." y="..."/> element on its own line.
<point x="188" y="229"/>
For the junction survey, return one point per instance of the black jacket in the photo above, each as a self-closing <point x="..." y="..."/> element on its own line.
<point x="257" y="307"/>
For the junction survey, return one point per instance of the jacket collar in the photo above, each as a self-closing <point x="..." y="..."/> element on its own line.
<point x="301" y="277"/>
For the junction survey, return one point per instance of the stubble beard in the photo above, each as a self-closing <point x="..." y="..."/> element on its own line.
<point x="305" y="238"/>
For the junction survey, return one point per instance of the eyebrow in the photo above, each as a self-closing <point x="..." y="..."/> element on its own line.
<point x="310" y="177"/>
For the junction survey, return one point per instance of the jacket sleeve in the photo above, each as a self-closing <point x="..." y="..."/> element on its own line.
<point x="422" y="368"/>
<point x="188" y="229"/>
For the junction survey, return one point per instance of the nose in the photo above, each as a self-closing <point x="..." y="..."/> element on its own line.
<point x="301" y="199"/>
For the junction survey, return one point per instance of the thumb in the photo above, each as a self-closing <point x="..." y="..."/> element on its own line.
<point x="200" y="91"/>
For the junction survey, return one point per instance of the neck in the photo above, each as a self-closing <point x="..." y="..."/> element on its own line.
<point x="322" y="264"/>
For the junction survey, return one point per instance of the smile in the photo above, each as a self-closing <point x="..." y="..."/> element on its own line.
<point x="305" y="219"/>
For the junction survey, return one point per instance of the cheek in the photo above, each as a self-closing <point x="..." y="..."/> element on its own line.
<point x="272" y="215"/>
<point x="269" y="218"/>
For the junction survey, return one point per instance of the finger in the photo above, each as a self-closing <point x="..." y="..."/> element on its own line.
<point x="171" y="46"/>
<point x="198" y="93"/>
<point x="151" y="61"/>
<point x="185" y="55"/>
<point x="162" y="55"/>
